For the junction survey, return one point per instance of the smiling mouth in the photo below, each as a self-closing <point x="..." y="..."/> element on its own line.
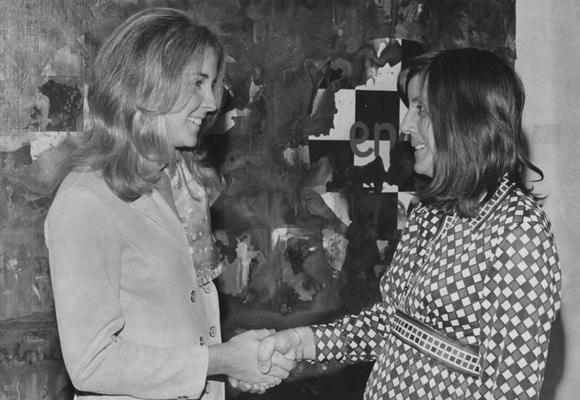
<point x="195" y="120"/>
<point x="419" y="147"/>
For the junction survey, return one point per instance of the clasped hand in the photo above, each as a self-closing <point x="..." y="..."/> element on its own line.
<point x="274" y="356"/>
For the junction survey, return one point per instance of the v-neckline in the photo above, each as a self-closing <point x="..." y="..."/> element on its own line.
<point x="163" y="186"/>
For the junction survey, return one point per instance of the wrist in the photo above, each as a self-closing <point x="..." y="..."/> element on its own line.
<point x="298" y="344"/>
<point x="304" y="337"/>
<point x="220" y="359"/>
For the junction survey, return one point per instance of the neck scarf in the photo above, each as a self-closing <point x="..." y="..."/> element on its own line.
<point x="191" y="201"/>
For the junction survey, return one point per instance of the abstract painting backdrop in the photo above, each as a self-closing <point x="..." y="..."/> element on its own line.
<point x="318" y="181"/>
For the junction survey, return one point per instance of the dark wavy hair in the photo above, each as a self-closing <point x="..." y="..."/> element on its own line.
<point x="475" y="102"/>
<point x="140" y="73"/>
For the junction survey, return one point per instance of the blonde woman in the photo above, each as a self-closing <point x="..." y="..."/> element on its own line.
<point x="132" y="256"/>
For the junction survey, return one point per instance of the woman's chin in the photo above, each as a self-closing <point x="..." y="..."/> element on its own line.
<point x="424" y="172"/>
<point x="186" y="143"/>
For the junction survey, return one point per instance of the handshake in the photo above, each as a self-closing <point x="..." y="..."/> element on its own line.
<point x="265" y="357"/>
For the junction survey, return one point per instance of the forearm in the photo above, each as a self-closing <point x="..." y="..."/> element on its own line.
<point x="304" y="339"/>
<point x="354" y="337"/>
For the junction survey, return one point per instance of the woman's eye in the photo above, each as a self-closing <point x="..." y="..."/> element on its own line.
<point x="422" y="109"/>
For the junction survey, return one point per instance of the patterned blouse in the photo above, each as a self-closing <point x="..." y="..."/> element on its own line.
<point x="192" y="202"/>
<point x="491" y="282"/>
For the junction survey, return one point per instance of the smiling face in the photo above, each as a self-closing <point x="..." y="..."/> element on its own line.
<point x="417" y="124"/>
<point x="184" y="121"/>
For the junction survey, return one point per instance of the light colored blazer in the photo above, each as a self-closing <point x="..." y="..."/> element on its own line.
<point x="132" y="321"/>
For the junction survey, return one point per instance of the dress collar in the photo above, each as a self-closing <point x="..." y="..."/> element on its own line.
<point x="484" y="211"/>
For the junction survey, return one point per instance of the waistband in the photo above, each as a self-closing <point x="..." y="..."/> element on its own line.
<point x="456" y="356"/>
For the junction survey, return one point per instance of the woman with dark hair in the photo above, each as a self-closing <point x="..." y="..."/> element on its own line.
<point x="474" y="285"/>
<point x="132" y="256"/>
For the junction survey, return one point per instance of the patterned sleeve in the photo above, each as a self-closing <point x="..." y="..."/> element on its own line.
<point x="520" y="301"/>
<point x="356" y="337"/>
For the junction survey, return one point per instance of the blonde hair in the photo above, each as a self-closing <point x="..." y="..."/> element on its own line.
<point x="138" y="76"/>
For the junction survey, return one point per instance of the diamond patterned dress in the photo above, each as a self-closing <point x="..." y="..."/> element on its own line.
<point x="491" y="282"/>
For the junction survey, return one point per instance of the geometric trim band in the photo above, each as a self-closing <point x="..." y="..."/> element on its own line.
<point x="428" y="341"/>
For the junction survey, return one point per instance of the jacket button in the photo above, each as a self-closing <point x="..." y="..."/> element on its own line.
<point x="201" y="341"/>
<point x="192" y="296"/>
<point x="212" y="331"/>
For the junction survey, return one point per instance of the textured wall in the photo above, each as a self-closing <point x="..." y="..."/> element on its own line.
<point x="548" y="39"/>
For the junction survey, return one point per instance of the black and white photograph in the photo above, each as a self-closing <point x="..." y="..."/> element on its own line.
<point x="289" y="199"/>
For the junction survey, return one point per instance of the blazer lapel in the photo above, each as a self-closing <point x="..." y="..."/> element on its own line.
<point x="154" y="207"/>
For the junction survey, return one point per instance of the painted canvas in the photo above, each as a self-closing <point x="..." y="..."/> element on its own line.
<point x="319" y="182"/>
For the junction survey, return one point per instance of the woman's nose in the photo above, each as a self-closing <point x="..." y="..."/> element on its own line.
<point x="209" y="100"/>
<point x="407" y="125"/>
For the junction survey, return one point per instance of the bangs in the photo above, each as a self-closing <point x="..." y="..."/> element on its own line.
<point x="405" y="77"/>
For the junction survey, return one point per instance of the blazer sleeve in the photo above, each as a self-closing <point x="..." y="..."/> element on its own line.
<point x="85" y="264"/>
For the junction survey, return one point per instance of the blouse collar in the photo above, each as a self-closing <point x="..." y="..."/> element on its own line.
<point x="484" y="211"/>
